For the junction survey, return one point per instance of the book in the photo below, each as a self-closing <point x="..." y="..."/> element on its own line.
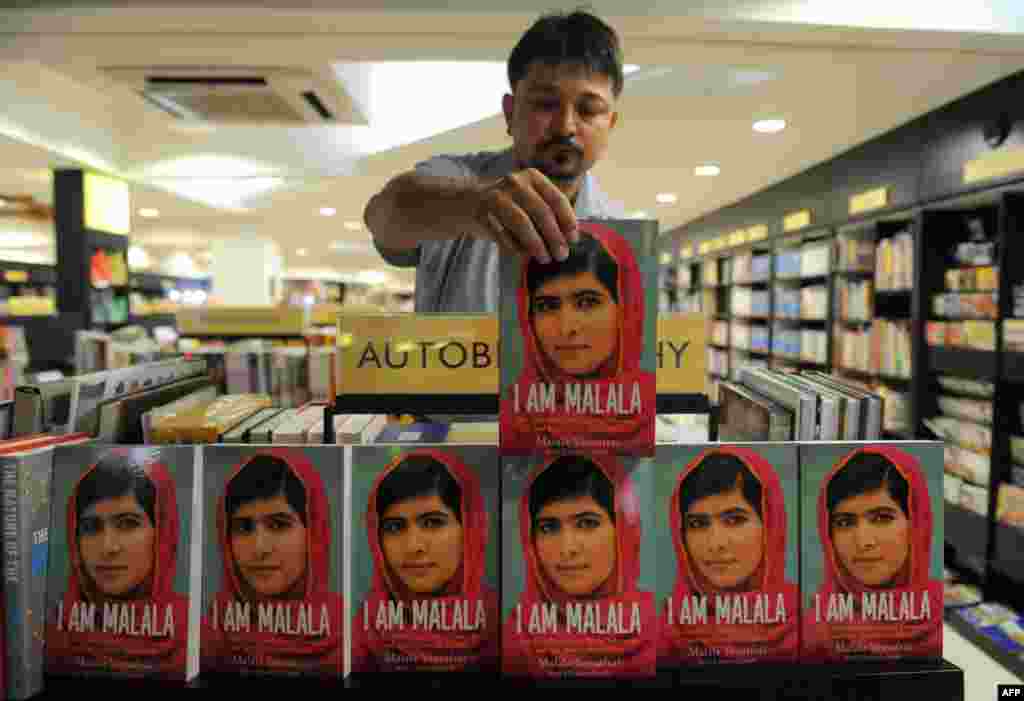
<point x="124" y="568"/>
<point x="264" y="433"/>
<point x="745" y="415"/>
<point x="205" y="423"/>
<point x="554" y="625"/>
<point x="413" y="433"/>
<point x="579" y="338"/>
<point x="241" y="432"/>
<point x="1010" y="505"/>
<point x="871" y="550"/>
<point x="727" y="526"/>
<point x="273" y="587"/>
<point x="120" y="420"/>
<point x="25" y="477"/>
<point x="42" y="407"/>
<point x="204" y="396"/>
<point x="295" y="430"/>
<point x="413" y="505"/>
<point x="481" y="432"/>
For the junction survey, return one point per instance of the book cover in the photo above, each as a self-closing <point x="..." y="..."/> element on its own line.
<point x="425" y="575"/>
<point x="579" y="342"/>
<point x="121" y="566"/>
<point x="413" y="433"/>
<point x="727" y="524"/>
<point x="578" y="571"/>
<point x="25" y="481"/>
<point x="273" y="584"/>
<point x="872" y="550"/>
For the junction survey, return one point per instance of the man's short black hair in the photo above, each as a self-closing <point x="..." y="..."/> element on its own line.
<point x="577" y="38"/>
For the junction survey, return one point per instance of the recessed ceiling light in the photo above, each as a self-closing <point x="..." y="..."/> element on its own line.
<point x="301" y="251"/>
<point x="707" y="170"/>
<point x="354" y="225"/>
<point x="640" y="214"/>
<point x="149" y="212"/>
<point x="630" y="68"/>
<point x="769" y="126"/>
<point x="328" y="211"/>
<point x="665" y="198"/>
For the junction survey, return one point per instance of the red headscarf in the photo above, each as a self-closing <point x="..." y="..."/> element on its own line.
<point x="523" y="433"/>
<point x="433" y="651"/>
<point x="312" y="654"/>
<point x="157" y="655"/>
<point x="735" y="642"/>
<point x="879" y="638"/>
<point x="577" y="654"/>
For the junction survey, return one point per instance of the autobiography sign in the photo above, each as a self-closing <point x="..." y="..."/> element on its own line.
<point x="682" y="356"/>
<point x="417" y="354"/>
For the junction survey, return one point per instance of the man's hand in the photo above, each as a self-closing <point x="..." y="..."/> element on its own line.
<point x="525" y="213"/>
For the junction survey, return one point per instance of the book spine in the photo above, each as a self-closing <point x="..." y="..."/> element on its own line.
<point x="24" y="574"/>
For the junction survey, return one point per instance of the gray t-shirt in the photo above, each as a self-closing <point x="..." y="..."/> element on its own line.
<point x="460" y="275"/>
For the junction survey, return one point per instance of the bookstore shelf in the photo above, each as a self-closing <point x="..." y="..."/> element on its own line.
<point x="1007" y="659"/>
<point x="1013" y="367"/>
<point x="1008" y="556"/>
<point x="968" y="534"/>
<point x="965" y="362"/>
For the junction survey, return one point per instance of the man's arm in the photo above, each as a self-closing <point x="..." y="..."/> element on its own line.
<point x="415" y="207"/>
<point x="522" y="212"/>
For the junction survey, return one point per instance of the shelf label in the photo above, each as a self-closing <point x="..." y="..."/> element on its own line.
<point x="107" y="204"/>
<point x="870" y="200"/>
<point x="994" y="164"/>
<point x="757" y="233"/>
<point x="796" y="220"/>
<point x="424" y="354"/>
<point x="242" y="321"/>
<point x="16" y="275"/>
<point x="682" y="354"/>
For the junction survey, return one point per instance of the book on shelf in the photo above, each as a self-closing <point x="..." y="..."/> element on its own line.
<point x="855" y="254"/>
<point x="1010" y="505"/>
<point x="26" y="467"/>
<point x="815" y="259"/>
<point x="121" y="420"/>
<point x="966" y="434"/>
<point x="242" y="432"/>
<point x="957" y="305"/>
<point x="99" y="621"/>
<point x="894" y="266"/>
<point x="974" y="335"/>
<point x="42" y="407"/>
<point x="974" y="498"/>
<point x="977" y="410"/>
<point x="208" y="422"/>
<point x="971" y="467"/>
<point x="746" y="415"/>
<point x="979" y="279"/>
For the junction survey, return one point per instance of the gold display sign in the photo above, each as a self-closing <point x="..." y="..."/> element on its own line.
<point x="736" y="238"/>
<point x="242" y="321"/>
<point x="687" y="252"/>
<point x="682" y="354"/>
<point x="870" y="200"/>
<point x="16" y="276"/>
<point x="426" y="354"/>
<point x="994" y="164"/>
<point x="107" y="204"/>
<point x="757" y="233"/>
<point x="796" y="220"/>
<point x="703" y="247"/>
<point x="418" y="354"/>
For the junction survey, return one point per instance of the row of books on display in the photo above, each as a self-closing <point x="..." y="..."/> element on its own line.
<point x="167" y="562"/>
<point x="1000" y="624"/>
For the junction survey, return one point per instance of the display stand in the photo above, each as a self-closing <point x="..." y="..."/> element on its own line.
<point x="863" y="681"/>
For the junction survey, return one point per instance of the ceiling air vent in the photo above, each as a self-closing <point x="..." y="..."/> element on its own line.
<point x="241" y="95"/>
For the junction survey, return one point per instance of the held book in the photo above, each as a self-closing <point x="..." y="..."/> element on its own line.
<point x="579" y="343"/>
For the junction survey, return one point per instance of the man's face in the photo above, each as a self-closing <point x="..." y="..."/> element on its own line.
<point x="560" y="117"/>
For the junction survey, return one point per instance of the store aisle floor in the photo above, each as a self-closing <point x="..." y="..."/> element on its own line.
<point x="981" y="672"/>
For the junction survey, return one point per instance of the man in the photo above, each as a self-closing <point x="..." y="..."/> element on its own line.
<point x="450" y="215"/>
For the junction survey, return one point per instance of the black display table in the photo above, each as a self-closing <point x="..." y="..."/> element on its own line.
<point x="861" y="681"/>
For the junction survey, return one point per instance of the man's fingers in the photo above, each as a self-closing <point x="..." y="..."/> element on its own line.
<point x="543" y="218"/>
<point x="559" y="205"/>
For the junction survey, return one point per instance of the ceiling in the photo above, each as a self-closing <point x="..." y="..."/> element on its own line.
<point x="838" y="76"/>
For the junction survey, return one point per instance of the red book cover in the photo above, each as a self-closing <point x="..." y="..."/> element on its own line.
<point x="120" y="564"/>
<point x="577" y="596"/>
<point x="728" y="520"/>
<point x="425" y="573"/>
<point x="578" y="344"/>
<point x="272" y="565"/>
<point x="872" y="557"/>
